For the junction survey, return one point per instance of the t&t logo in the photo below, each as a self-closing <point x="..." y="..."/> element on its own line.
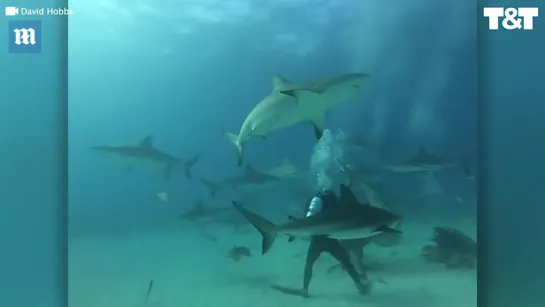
<point x="510" y="20"/>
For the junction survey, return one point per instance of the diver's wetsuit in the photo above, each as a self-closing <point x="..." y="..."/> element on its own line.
<point x="320" y="244"/>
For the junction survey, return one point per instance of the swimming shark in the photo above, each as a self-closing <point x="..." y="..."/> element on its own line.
<point x="292" y="103"/>
<point x="360" y="175"/>
<point x="207" y="215"/>
<point x="200" y="212"/>
<point x="427" y="162"/>
<point x="285" y="170"/>
<point x="251" y="178"/>
<point x="145" y="151"/>
<point x="350" y="219"/>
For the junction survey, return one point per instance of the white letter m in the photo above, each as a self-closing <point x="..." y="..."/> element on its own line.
<point x="25" y="36"/>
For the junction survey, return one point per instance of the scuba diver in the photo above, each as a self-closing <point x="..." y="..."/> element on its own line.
<point x="322" y="201"/>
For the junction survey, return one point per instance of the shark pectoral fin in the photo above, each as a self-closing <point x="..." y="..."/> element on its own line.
<point x="233" y="139"/>
<point x="388" y="229"/>
<point x="279" y="83"/>
<point x="318" y="123"/>
<point x="303" y="95"/>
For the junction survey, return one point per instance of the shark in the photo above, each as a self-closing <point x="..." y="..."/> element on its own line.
<point x="350" y="219"/>
<point x="207" y="215"/>
<point x="201" y="212"/>
<point x="424" y="161"/>
<point x="285" y="170"/>
<point x="291" y="103"/>
<point x="251" y="178"/>
<point x="145" y="151"/>
<point x="361" y="175"/>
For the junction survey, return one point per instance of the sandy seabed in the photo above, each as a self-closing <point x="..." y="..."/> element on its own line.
<point x="189" y="268"/>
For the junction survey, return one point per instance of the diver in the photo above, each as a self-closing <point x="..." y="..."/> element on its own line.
<point x="322" y="201"/>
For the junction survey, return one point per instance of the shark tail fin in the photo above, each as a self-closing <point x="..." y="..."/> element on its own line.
<point x="167" y="171"/>
<point x="465" y="164"/>
<point x="265" y="227"/>
<point x="233" y="139"/>
<point x="211" y="186"/>
<point x="188" y="165"/>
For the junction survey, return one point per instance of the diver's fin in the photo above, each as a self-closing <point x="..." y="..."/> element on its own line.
<point x="290" y="291"/>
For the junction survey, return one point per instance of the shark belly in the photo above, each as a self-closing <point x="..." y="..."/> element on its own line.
<point x="338" y="96"/>
<point x="344" y="230"/>
<point x="276" y="117"/>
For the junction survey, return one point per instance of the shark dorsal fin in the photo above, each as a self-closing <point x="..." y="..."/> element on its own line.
<point x="422" y="151"/>
<point x="347" y="197"/>
<point x="147" y="142"/>
<point x="250" y="171"/>
<point x="292" y="218"/>
<point x="279" y="82"/>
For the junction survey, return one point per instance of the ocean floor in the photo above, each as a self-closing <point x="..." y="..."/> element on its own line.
<point x="188" y="266"/>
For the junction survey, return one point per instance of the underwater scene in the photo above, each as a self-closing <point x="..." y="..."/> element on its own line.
<point x="258" y="153"/>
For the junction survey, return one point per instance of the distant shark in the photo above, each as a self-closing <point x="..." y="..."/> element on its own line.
<point x="285" y="170"/>
<point x="200" y="212"/>
<point x="251" y="178"/>
<point x="358" y="175"/>
<point x="290" y="103"/>
<point x="145" y="151"/>
<point x="350" y="219"/>
<point x="426" y="162"/>
<point x="206" y="215"/>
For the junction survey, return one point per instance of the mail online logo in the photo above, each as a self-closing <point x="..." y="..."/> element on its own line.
<point x="25" y="36"/>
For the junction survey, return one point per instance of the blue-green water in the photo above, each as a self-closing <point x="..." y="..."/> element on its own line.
<point x="184" y="73"/>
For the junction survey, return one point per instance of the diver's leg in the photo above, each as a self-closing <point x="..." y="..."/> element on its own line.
<point x="314" y="250"/>
<point x="357" y="255"/>
<point x="354" y="248"/>
<point x="338" y="252"/>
